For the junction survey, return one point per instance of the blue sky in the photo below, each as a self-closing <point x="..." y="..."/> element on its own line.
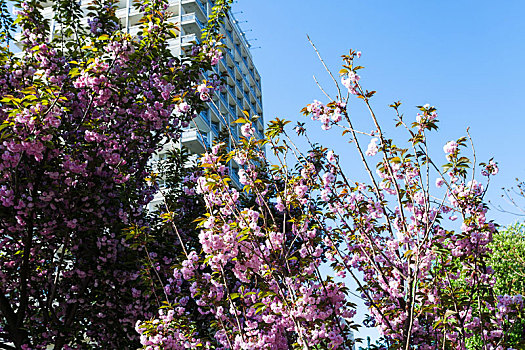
<point x="464" y="57"/>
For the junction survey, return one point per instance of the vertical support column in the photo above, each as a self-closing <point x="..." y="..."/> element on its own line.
<point x="128" y="9"/>
<point x="180" y="27"/>
<point x="52" y="29"/>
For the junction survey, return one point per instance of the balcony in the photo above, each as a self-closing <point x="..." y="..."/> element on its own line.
<point x="224" y="98"/>
<point x="250" y="71"/>
<point x="47" y="12"/>
<point x="204" y="115"/>
<point x="229" y="35"/>
<point x="122" y="13"/>
<point x="203" y="137"/>
<point x="135" y="30"/>
<point x="190" y="38"/>
<point x="233" y="112"/>
<point x="232" y="73"/>
<point x="194" y="5"/>
<point x="194" y="140"/>
<point x="235" y="24"/>
<point x="202" y="7"/>
<point x="217" y="113"/>
<point x="191" y="23"/>
<point x="231" y="90"/>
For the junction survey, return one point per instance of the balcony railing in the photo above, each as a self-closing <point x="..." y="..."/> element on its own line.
<point x="215" y="128"/>
<point x="229" y="35"/>
<point x="234" y="132"/>
<point x="194" y="134"/>
<point x="235" y="178"/>
<point x="217" y="113"/>
<point x="233" y="112"/>
<point x="190" y="38"/>
<point x="232" y="73"/>
<point x="223" y="98"/>
<point x="205" y="116"/>
<point x="204" y="139"/>
<point x="134" y="30"/>
<point x="203" y="8"/>
<point x="259" y="133"/>
<point x="191" y="17"/>
<point x="231" y="90"/>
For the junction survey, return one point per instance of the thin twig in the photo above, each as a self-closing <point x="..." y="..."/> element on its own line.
<point x="321" y="88"/>
<point x="325" y="67"/>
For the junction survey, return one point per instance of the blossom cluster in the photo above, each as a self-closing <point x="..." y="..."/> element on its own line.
<point x="291" y="303"/>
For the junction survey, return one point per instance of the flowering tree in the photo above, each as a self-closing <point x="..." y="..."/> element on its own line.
<point x="82" y="110"/>
<point x="414" y="236"/>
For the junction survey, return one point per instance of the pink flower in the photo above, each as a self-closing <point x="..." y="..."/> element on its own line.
<point x="247" y="130"/>
<point x="184" y="107"/>
<point x="495" y="168"/>
<point x="90" y="136"/>
<point x="419" y="198"/>
<point x="279" y="204"/>
<point x="326" y="126"/>
<point x="337" y="116"/>
<point x="331" y="157"/>
<point x="490" y="169"/>
<point x="300" y="190"/>
<point x="243" y="177"/>
<point x="439" y="182"/>
<point x="215" y="149"/>
<point x="328" y="178"/>
<point x="204" y="92"/>
<point x="350" y="80"/>
<point x="372" y="147"/>
<point x="450" y="147"/>
<point x="203" y="89"/>
<point x="325" y="194"/>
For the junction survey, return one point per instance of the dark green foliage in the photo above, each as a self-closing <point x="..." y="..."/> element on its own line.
<point x="508" y="261"/>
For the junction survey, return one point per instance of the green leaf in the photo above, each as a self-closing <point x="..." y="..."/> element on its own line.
<point x="241" y="121"/>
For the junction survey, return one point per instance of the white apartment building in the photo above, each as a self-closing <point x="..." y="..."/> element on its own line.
<point x="243" y="82"/>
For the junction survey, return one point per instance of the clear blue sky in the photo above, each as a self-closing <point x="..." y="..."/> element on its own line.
<point x="464" y="57"/>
